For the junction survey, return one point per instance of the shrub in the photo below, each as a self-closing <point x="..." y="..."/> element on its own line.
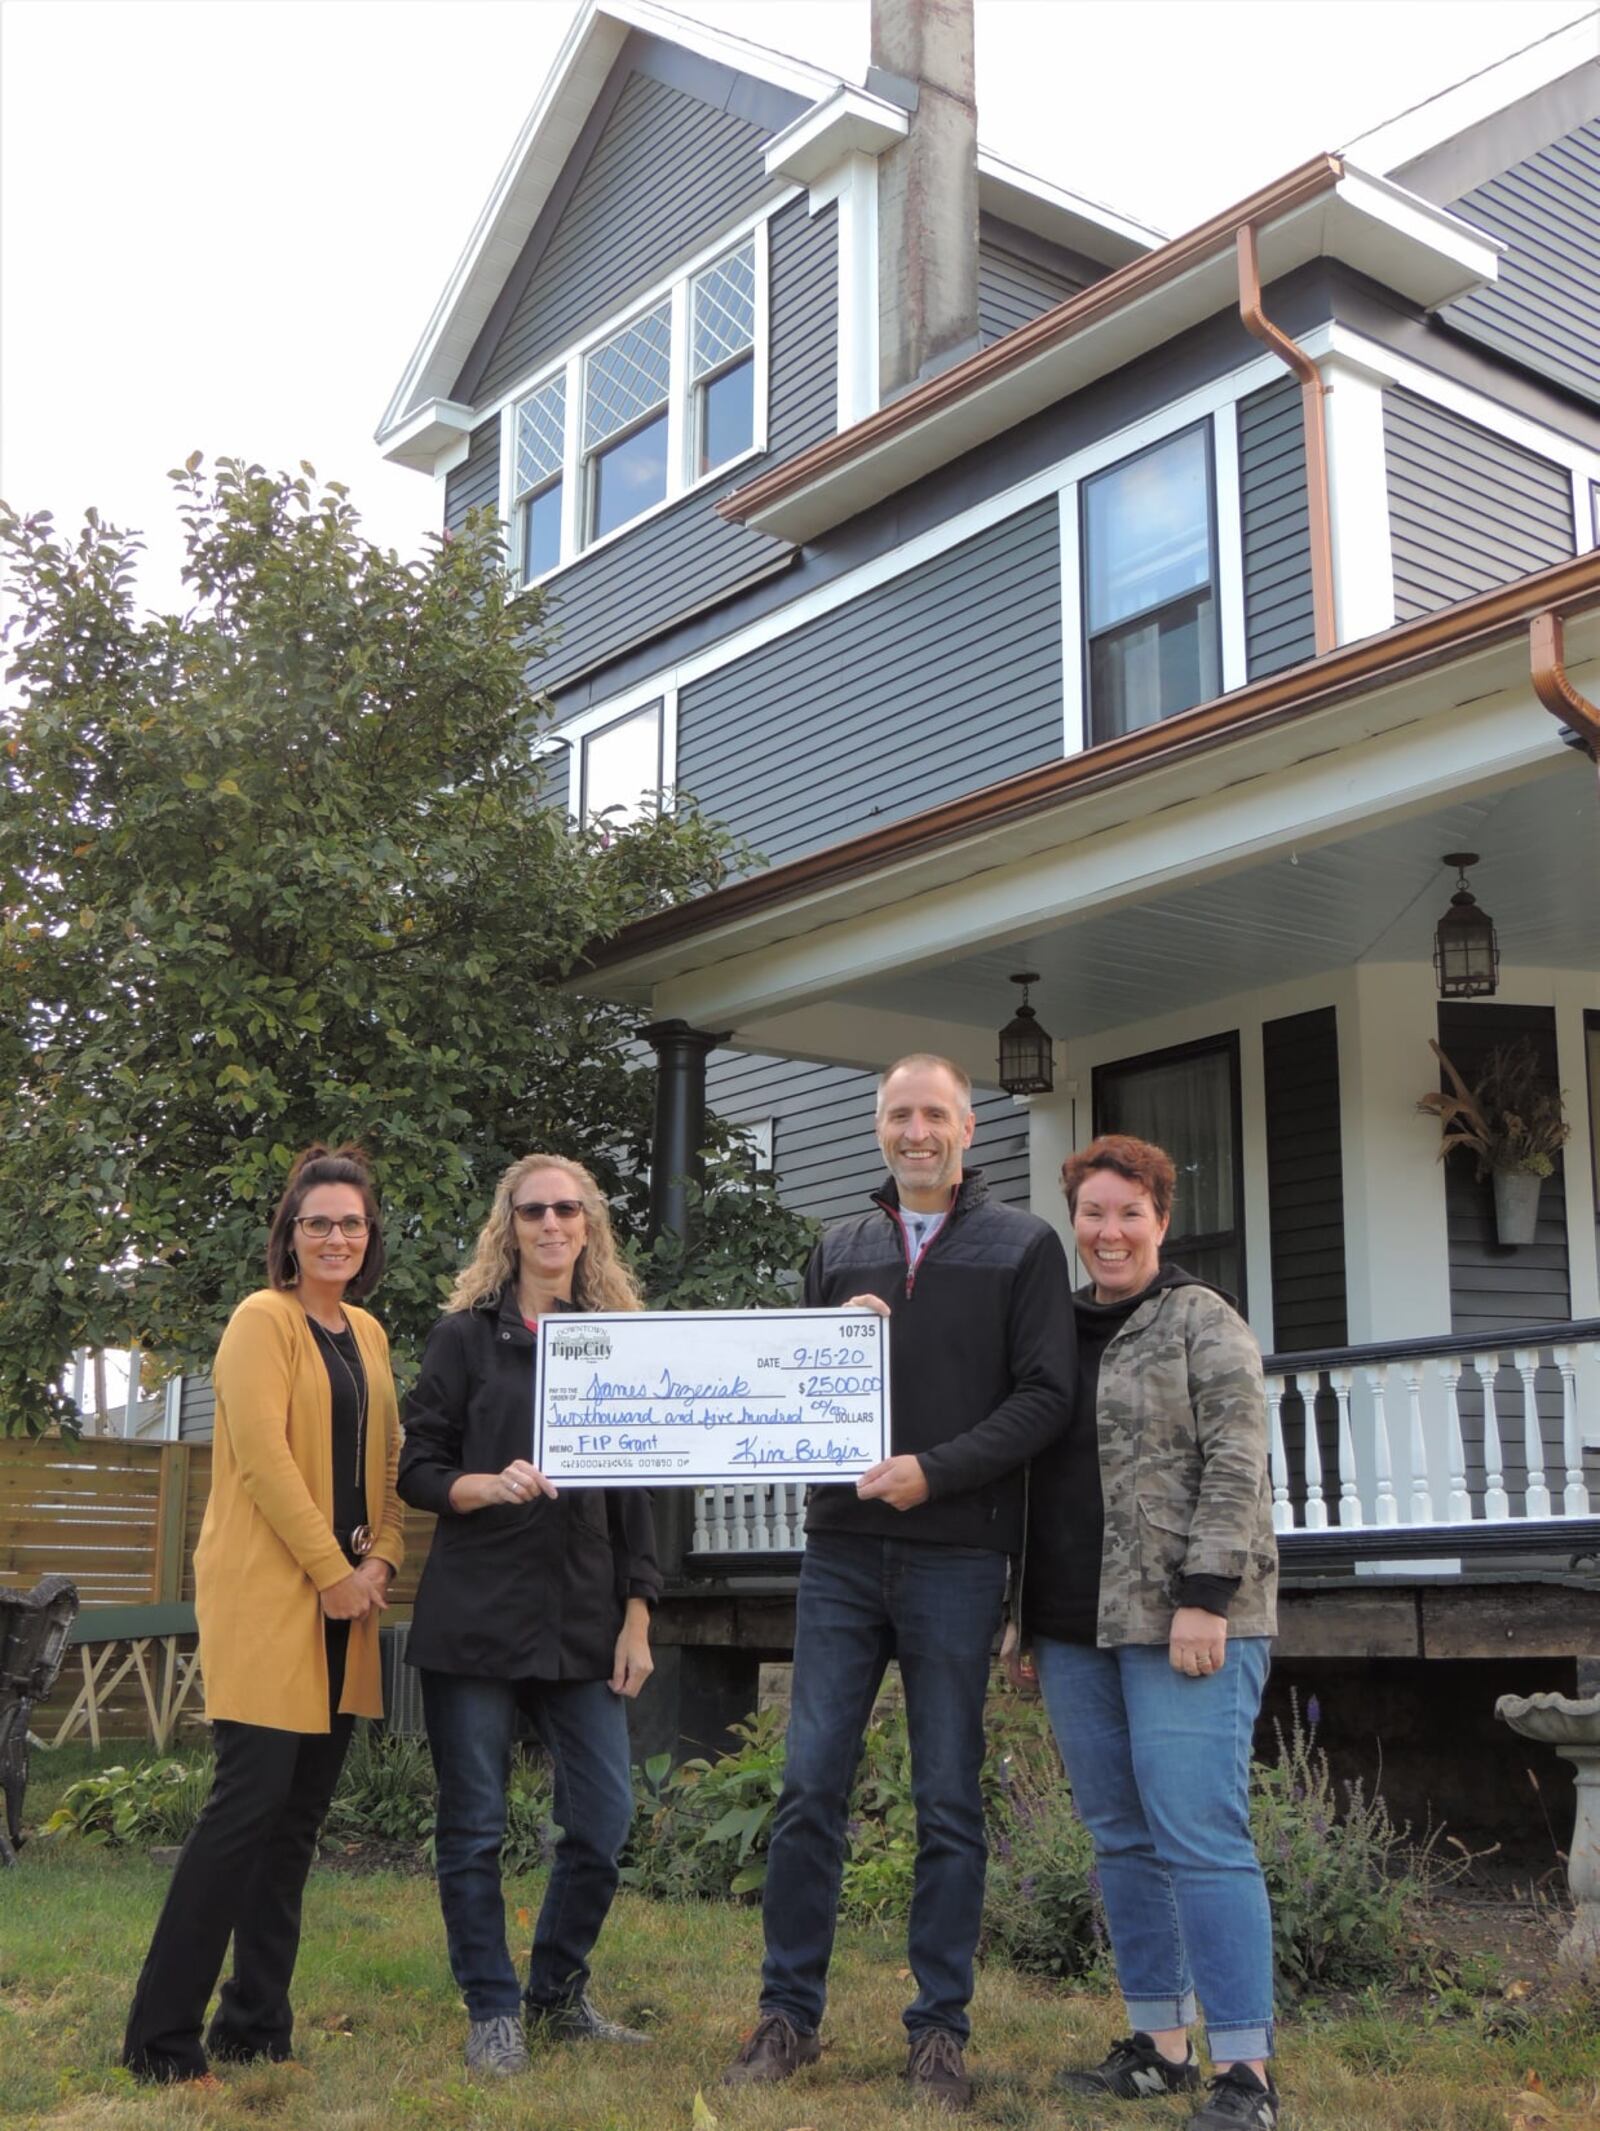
<point x="1042" y="1913"/>
<point x="152" y="1802"/>
<point x="386" y="1790"/>
<point x="702" y="1829"/>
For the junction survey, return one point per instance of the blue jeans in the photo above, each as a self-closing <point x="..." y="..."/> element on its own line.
<point x="861" y="1602"/>
<point x="1160" y="1771"/>
<point x="470" y="1727"/>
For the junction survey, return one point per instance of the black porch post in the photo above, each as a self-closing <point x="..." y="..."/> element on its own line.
<point x="675" y="1161"/>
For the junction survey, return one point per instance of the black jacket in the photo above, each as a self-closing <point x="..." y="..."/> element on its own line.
<point x="982" y="1360"/>
<point x="526" y="1590"/>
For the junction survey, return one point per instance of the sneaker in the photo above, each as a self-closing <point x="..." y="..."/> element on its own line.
<point x="581" y="2021"/>
<point x="1237" y="2098"/>
<point x="1133" y="2070"/>
<point x="774" y="2049"/>
<point x="936" y="2069"/>
<point x="496" y="2046"/>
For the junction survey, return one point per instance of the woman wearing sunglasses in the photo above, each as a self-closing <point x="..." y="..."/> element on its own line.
<point x="532" y="1604"/>
<point x="300" y="1538"/>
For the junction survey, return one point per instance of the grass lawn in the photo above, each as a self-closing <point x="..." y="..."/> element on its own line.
<point x="380" y="2027"/>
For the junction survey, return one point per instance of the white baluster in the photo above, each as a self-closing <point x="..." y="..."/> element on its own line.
<point x="1537" y="1500"/>
<point x="1349" y="1494"/>
<point x="1421" y="1487"/>
<point x="721" y="1537"/>
<point x="1575" y="1495"/>
<point x="1460" y="1502"/>
<point x="791" y="1525"/>
<point x="701" y="1542"/>
<point x="1282" y="1507"/>
<point x="1496" y="1502"/>
<point x="1316" y="1506"/>
<point x="1386" y="1509"/>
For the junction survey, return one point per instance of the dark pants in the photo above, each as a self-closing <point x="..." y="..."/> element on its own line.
<point x="584" y="1726"/>
<point x="241" y="1874"/>
<point x="861" y="1602"/>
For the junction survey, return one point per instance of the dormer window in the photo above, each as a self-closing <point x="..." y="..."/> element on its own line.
<point x="1150" y="585"/>
<point x="637" y="417"/>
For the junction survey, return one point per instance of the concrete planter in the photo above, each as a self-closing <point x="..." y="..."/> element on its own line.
<point x="1516" y="1205"/>
<point x="1573" y="1729"/>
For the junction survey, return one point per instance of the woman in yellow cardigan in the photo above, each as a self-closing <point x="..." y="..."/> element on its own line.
<point x="300" y="1538"/>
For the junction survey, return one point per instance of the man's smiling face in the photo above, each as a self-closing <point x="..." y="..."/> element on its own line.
<point x="924" y="1125"/>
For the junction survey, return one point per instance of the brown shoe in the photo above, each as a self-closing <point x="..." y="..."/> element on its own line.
<point x="936" y="2070"/>
<point x="775" y="2049"/>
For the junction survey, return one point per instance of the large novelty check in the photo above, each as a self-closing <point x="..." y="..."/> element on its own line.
<point x="665" y="1398"/>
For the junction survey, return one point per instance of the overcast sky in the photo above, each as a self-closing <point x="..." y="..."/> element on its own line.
<point x="224" y="223"/>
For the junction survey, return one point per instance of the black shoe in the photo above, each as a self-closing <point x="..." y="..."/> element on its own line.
<point x="1133" y="2070"/>
<point x="775" y="2049"/>
<point x="1238" y="2099"/>
<point x="937" y="2071"/>
<point x="581" y="2021"/>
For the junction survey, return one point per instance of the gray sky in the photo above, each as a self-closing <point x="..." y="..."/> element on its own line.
<point x="224" y="223"/>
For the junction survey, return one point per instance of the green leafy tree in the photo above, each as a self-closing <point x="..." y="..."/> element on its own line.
<point x="280" y="869"/>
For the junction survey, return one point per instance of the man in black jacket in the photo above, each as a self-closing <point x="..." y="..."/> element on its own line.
<point x="911" y="1564"/>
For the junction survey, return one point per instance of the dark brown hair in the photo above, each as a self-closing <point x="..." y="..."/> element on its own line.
<point x="1135" y="1159"/>
<point x="323" y="1165"/>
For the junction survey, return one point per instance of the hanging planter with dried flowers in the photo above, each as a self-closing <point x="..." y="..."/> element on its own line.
<point x="1512" y="1121"/>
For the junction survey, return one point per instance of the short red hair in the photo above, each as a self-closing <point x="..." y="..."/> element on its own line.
<point x="1137" y="1160"/>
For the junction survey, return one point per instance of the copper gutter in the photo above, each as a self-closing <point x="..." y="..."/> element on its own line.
<point x="1477" y="624"/>
<point x="1138" y="278"/>
<point x="1314" y="419"/>
<point x="1547" y="652"/>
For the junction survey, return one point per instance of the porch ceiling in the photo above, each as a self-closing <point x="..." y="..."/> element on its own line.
<point x="1374" y="896"/>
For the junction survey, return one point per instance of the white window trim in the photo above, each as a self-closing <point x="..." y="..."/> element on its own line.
<point x="682" y="482"/>
<point x="573" y="734"/>
<point x="1062" y="479"/>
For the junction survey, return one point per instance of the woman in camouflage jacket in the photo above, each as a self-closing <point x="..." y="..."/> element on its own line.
<point x="1145" y="1605"/>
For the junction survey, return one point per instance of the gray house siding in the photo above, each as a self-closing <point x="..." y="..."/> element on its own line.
<point x="197" y="1409"/>
<point x="944" y="680"/>
<point x="1467" y="510"/>
<point x="1279" y="629"/>
<point x="476" y="481"/>
<point x="688" y="558"/>
<point x="1020" y="277"/>
<point x="824" y="1149"/>
<point x="668" y="171"/>
<point x="1542" y="311"/>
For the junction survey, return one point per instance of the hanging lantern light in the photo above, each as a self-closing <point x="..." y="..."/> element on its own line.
<point x="1026" y="1065"/>
<point x="1466" y="953"/>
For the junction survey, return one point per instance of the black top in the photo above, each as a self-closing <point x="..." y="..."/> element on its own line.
<point x="520" y="1590"/>
<point x="981" y="1361"/>
<point x="1066" y="1505"/>
<point x="348" y="1382"/>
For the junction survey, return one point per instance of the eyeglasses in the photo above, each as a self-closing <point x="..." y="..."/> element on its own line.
<point x="536" y="1209"/>
<point x="352" y="1226"/>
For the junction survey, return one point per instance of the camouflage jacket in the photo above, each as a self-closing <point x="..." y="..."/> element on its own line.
<point x="1182" y="1420"/>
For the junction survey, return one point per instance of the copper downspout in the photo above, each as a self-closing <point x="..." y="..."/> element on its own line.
<point x="1547" y="653"/>
<point x="1316" y="435"/>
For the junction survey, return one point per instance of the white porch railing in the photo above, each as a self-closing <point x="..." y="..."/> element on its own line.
<point x="1487" y="1431"/>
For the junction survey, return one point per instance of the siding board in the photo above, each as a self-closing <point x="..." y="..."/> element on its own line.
<point x="1467" y="509"/>
<point x="1279" y="625"/>
<point x="1012" y="289"/>
<point x="943" y="681"/>
<point x="476" y="481"/>
<point x="1541" y="311"/>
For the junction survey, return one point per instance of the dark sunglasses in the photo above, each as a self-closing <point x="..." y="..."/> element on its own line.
<point x="536" y="1209"/>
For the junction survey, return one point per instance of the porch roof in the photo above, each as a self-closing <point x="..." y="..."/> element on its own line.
<point x="1451" y="690"/>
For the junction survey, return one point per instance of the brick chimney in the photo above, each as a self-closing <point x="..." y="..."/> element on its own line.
<point x="922" y="59"/>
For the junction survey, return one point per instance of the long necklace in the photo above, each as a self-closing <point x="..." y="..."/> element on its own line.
<point x="361" y="1537"/>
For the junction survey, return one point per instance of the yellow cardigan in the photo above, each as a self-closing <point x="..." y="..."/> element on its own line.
<point x="266" y="1545"/>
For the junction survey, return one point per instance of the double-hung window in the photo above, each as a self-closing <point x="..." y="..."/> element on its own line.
<point x="1150" y="585"/>
<point x="620" y="765"/>
<point x="638" y="417"/>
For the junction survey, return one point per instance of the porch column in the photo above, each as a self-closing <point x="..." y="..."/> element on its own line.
<point x="675" y="1161"/>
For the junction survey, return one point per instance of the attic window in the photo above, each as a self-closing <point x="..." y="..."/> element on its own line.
<point x="627" y="383"/>
<point x="541" y="452"/>
<point x="722" y="358"/>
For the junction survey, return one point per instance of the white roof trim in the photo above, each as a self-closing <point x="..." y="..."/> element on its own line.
<point x="1065" y="217"/>
<point x="1398" y="240"/>
<point x="850" y="121"/>
<point x="1399" y="141"/>
<point x="431" y="430"/>
<point x="548" y="136"/>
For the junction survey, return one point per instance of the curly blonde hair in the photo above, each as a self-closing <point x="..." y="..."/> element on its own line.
<point x="600" y="1280"/>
